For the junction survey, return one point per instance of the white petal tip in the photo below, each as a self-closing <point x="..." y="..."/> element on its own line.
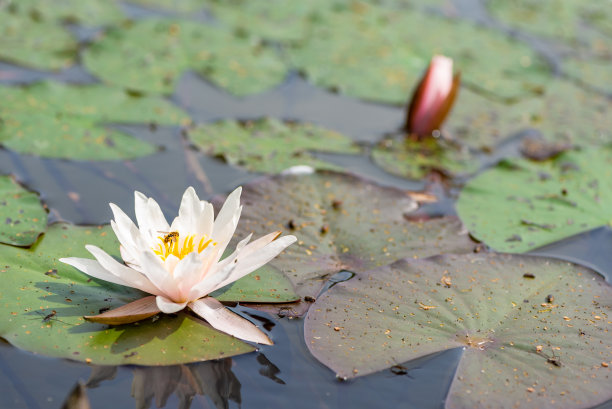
<point x="298" y="170"/>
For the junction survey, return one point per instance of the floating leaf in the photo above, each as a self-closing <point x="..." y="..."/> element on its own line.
<point x="415" y="159"/>
<point x="342" y="222"/>
<point x="596" y="73"/>
<point x="274" y="19"/>
<point x="535" y="330"/>
<point x="91" y="12"/>
<point x="150" y="55"/>
<point x="562" y="113"/>
<point x="22" y="217"/>
<point x="61" y="121"/>
<point x="36" y="44"/>
<point x="269" y="145"/>
<point x="521" y="205"/>
<point x="181" y="6"/>
<point x="44" y="301"/>
<point x="369" y="52"/>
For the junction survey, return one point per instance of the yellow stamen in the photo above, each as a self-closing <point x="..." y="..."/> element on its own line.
<point x="167" y="247"/>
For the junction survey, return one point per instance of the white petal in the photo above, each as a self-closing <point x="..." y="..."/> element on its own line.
<point x="167" y="306"/>
<point x="187" y="272"/>
<point x="170" y="263"/>
<point x="153" y="268"/>
<point x="227" y="220"/>
<point x="132" y="277"/>
<point x="213" y="275"/>
<point x="255" y="259"/>
<point x="149" y="216"/>
<point x="227" y="321"/>
<point x="248" y="259"/>
<point x="125" y="230"/>
<point x="94" y="269"/>
<point x="186" y="222"/>
<point x="205" y="220"/>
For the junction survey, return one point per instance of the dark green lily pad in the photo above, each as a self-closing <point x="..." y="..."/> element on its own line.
<point x="415" y="159"/>
<point x="520" y="205"/>
<point x="269" y="145"/>
<point x="36" y="44"/>
<point x="60" y="121"/>
<point x="35" y="285"/>
<point x="342" y="222"/>
<point x="150" y="56"/>
<point x="89" y="13"/>
<point x="370" y="52"/>
<point x="22" y="216"/>
<point x="535" y="330"/>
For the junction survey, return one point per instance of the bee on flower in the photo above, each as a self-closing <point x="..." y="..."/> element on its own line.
<point x="180" y="264"/>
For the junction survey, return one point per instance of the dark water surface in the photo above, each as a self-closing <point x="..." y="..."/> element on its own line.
<point x="281" y="376"/>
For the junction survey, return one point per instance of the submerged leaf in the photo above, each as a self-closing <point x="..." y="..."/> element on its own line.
<point x="62" y="121"/>
<point x="520" y="205"/>
<point x="269" y="145"/>
<point x="342" y="222"/>
<point x="44" y="302"/>
<point x="22" y="216"/>
<point x="534" y="330"/>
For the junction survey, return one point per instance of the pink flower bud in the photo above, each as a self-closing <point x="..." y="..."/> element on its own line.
<point x="433" y="98"/>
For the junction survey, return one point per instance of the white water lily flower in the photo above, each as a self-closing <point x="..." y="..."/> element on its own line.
<point x="180" y="264"/>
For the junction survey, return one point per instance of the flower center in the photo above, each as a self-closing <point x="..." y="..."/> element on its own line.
<point x="171" y="244"/>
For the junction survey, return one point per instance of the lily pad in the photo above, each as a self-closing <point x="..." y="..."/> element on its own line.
<point x="535" y="330"/>
<point x="269" y="145"/>
<point x="596" y="73"/>
<point x="180" y="6"/>
<point x="369" y="52"/>
<point x="520" y="205"/>
<point x="563" y="112"/>
<point x="35" y="43"/>
<point x="150" y="55"/>
<point x="342" y="222"/>
<point x="44" y="301"/>
<point x="89" y="13"/>
<point x="24" y="218"/>
<point x="415" y="159"/>
<point x="60" y="121"/>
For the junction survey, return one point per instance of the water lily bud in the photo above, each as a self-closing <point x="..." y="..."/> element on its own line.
<point x="433" y="98"/>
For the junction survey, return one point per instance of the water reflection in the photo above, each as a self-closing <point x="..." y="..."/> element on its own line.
<point x="212" y="379"/>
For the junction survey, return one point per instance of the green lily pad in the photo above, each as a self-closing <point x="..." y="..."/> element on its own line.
<point x="35" y="284"/>
<point x="273" y="19"/>
<point x="535" y="330"/>
<point x="36" y="44"/>
<point x="596" y="73"/>
<point x="520" y="205"/>
<point x="370" y="52"/>
<point x="342" y="222"/>
<point x="180" y="6"/>
<point x="150" y="56"/>
<point x="415" y="159"/>
<point x="269" y="145"/>
<point x="24" y="218"/>
<point x="90" y="13"/>
<point x="563" y="112"/>
<point x="60" y="121"/>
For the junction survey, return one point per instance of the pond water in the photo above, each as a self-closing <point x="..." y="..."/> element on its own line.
<point x="279" y="376"/>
